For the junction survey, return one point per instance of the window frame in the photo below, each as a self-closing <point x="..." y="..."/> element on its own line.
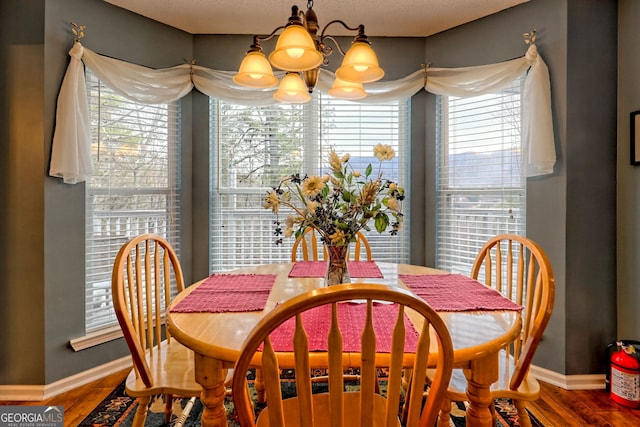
<point x="458" y="242"/>
<point x="313" y="138"/>
<point x="100" y="318"/>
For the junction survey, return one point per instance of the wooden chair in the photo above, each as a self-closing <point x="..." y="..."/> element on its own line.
<point x="519" y="269"/>
<point x="307" y="244"/>
<point x="337" y="407"/>
<point x="146" y="274"/>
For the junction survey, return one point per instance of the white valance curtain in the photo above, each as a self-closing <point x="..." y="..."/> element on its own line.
<point x="71" y="152"/>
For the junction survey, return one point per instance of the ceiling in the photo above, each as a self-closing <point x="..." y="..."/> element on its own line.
<point x="399" y="18"/>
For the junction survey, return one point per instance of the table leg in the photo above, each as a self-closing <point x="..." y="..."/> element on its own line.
<point x="211" y="375"/>
<point x="482" y="373"/>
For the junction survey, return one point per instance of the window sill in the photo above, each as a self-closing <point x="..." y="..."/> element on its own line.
<point x="98" y="337"/>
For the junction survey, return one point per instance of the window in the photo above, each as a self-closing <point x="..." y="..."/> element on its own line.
<point x="481" y="186"/>
<point x="135" y="187"/>
<point x="254" y="147"/>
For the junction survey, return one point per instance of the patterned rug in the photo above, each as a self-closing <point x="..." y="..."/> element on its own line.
<point x="117" y="409"/>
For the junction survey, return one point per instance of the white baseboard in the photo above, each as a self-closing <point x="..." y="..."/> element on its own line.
<point x="569" y="382"/>
<point x="36" y="393"/>
<point x="42" y="392"/>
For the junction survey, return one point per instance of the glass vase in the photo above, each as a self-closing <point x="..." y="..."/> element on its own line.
<point x="337" y="271"/>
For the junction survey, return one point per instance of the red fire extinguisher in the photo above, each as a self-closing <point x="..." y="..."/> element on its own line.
<point x="625" y="375"/>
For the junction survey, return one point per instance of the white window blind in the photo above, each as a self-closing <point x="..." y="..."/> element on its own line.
<point x="254" y="147"/>
<point x="481" y="186"/>
<point x="135" y="188"/>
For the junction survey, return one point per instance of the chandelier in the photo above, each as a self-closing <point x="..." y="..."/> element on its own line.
<point x="300" y="52"/>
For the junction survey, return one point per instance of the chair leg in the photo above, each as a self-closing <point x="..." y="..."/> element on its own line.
<point x="494" y="413"/>
<point x="523" y="415"/>
<point x="168" y="408"/>
<point x="259" y="385"/>
<point x="406" y="385"/>
<point x="227" y="381"/>
<point x="406" y="379"/>
<point x="185" y="413"/>
<point x="141" y="412"/>
<point x="444" y="418"/>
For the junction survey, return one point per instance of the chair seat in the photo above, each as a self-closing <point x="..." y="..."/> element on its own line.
<point x="321" y="409"/>
<point x="529" y="389"/>
<point x="172" y="367"/>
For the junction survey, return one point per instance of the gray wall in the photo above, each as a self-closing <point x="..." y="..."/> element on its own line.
<point x="42" y="231"/>
<point x="22" y="158"/>
<point x="571" y="213"/>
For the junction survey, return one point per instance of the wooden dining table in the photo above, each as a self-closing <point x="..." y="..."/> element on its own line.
<point x="217" y="338"/>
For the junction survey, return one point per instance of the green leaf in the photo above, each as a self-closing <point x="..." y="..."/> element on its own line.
<point x="382" y="221"/>
<point x="369" y="170"/>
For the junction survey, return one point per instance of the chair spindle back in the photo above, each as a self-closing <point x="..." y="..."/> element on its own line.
<point x="304" y="409"/>
<point x="520" y="270"/>
<point x="146" y="275"/>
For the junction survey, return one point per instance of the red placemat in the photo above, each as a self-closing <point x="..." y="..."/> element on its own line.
<point x="351" y="318"/>
<point x="221" y="302"/>
<point x="319" y="269"/>
<point x="456" y="292"/>
<point x="364" y="269"/>
<point x="228" y="293"/>
<point x="308" y="269"/>
<point x="237" y="282"/>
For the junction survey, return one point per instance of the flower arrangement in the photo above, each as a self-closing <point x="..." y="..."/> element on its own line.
<point x="341" y="203"/>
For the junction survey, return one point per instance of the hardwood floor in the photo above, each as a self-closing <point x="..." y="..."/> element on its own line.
<point x="555" y="408"/>
<point x="79" y="402"/>
<point x="579" y="408"/>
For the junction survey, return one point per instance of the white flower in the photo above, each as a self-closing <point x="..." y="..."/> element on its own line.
<point x="312" y="186"/>
<point x="384" y="152"/>
<point x="272" y="202"/>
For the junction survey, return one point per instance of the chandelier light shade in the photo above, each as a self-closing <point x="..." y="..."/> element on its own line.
<point x="347" y="90"/>
<point x="295" y="50"/>
<point x="292" y="90"/>
<point x="255" y="71"/>
<point x="300" y="49"/>
<point x="360" y="64"/>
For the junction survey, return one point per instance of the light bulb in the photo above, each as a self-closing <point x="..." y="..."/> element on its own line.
<point x="295" y="53"/>
<point x="360" y="68"/>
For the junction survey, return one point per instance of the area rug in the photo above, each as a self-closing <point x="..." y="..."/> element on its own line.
<point x="118" y="409"/>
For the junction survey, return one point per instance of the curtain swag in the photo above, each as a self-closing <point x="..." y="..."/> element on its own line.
<point x="71" y="151"/>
